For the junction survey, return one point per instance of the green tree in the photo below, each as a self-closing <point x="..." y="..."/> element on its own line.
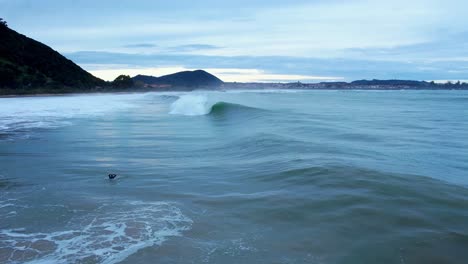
<point x="123" y="81"/>
<point x="3" y="23"/>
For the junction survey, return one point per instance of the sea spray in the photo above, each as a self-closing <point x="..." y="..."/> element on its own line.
<point x="191" y="105"/>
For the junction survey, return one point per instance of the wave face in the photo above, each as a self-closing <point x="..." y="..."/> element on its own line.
<point x="235" y="177"/>
<point x="224" y="107"/>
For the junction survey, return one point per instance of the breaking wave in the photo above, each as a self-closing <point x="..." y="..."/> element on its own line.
<point x="196" y="105"/>
<point x="190" y="105"/>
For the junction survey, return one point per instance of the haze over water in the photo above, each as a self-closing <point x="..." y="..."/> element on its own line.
<point x="235" y="177"/>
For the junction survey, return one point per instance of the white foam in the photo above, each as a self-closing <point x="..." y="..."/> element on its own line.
<point x="191" y="105"/>
<point x="3" y="205"/>
<point x="107" y="235"/>
<point x="7" y="209"/>
<point x="51" y="112"/>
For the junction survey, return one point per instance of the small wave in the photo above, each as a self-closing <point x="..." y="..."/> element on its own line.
<point x="108" y="235"/>
<point x="256" y="145"/>
<point x="20" y="125"/>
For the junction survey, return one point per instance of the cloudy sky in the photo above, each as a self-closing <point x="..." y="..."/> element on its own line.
<point x="248" y="40"/>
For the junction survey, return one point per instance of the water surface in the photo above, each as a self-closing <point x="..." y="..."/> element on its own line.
<point x="235" y="177"/>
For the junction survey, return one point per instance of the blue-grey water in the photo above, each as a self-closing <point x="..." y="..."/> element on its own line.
<point x="235" y="177"/>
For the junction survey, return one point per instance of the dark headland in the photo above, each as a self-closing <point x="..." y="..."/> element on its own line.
<point x="30" y="67"/>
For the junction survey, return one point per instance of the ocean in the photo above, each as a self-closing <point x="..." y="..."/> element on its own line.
<point x="266" y="176"/>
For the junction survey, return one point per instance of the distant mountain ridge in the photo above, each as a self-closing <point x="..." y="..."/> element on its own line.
<point x="27" y="64"/>
<point x="185" y="79"/>
<point x="355" y="85"/>
<point x="391" y="82"/>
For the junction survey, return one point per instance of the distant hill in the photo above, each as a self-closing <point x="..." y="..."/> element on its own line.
<point x="391" y="82"/>
<point x="185" y="79"/>
<point x="28" y="65"/>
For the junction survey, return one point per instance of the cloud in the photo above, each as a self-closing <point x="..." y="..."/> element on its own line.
<point x="192" y="47"/>
<point x="448" y="47"/>
<point x="268" y="28"/>
<point x="349" y="69"/>
<point x="354" y="39"/>
<point x="140" y="45"/>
